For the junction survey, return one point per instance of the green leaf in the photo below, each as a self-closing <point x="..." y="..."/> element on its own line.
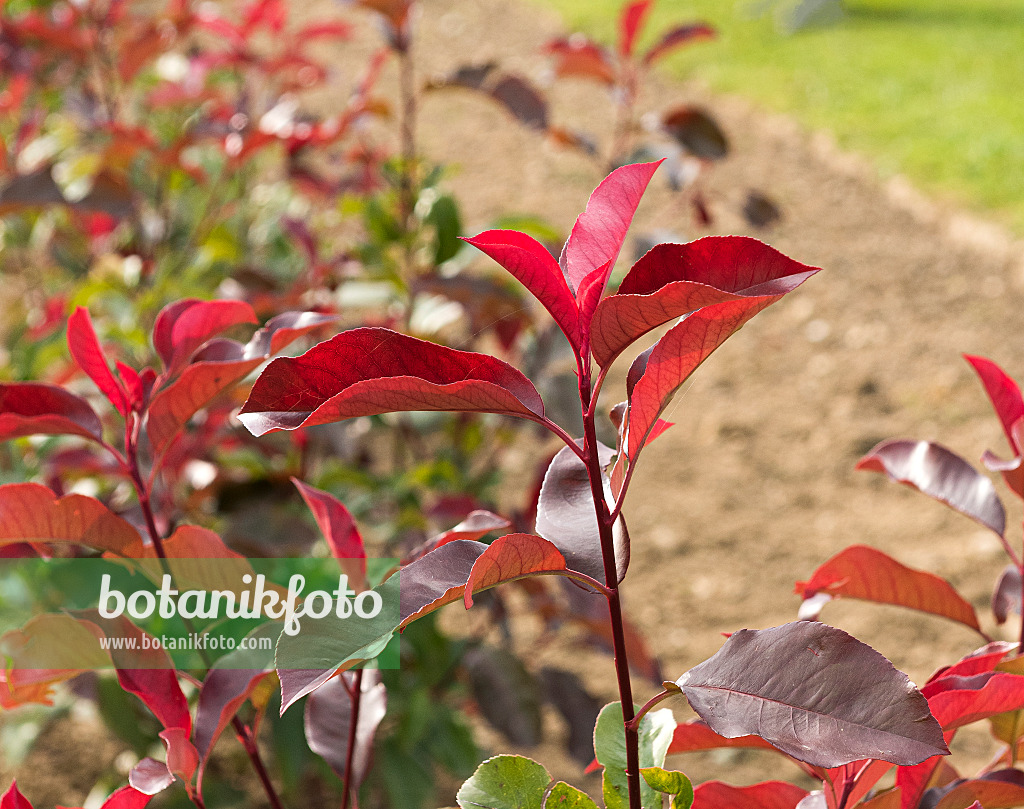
<point x="656" y="729"/>
<point x="564" y="796"/>
<point x="671" y="782"/>
<point x="444" y="216"/>
<point x="505" y="782"/>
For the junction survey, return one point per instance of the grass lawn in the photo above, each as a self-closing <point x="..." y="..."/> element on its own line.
<point x="930" y="88"/>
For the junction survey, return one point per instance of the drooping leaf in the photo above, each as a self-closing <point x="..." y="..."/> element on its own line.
<point x="566" y="517"/>
<point x="221" y="364"/>
<point x="697" y="132"/>
<point x="655" y="735"/>
<point x="958" y="700"/>
<point x="184" y="326"/>
<point x="677" y="37"/>
<point x="34" y="514"/>
<point x="670" y="782"/>
<point x="671" y="280"/>
<point x="597" y="236"/>
<point x="940" y="474"/>
<point x="505" y="782"/>
<point x="866" y="573"/>
<point x="766" y="795"/>
<point x="339" y="529"/>
<point x="816" y="693"/>
<point x="88" y="355"/>
<point x="367" y="371"/>
<point x="511" y="557"/>
<point x="35" y="408"/>
<point x="695" y="735"/>
<point x="580" y="57"/>
<point x="563" y="796"/>
<point x="534" y="267"/>
<point x="631" y="21"/>
<point x="1006" y="598"/>
<point x="328" y="721"/>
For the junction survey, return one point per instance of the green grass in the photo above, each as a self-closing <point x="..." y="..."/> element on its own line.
<point x="933" y="89"/>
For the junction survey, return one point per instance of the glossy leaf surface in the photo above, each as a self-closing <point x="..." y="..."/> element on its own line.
<point x="35" y="408"/>
<point x="505" y="782"/>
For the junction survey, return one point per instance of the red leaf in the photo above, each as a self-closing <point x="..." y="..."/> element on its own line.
<point x="956" y="701"/>
<point x="184" y="326"/>
<point x="942" y="475"/>
<point x="816" y="693"/>
<point x="533" y="266"/>
<point x="217" y="367"/>
<point x="987" y="658"/>
<point x="1003" y="392"/>
<point x="32" y="513"/>
<point x="340" y="531"/>
<point x="695" y="735"/>
<point x="1002" y="788"/>
<point x="478" y="523"/>
<point x="677" y="37"/>
<point x="328" y="721"/>
<point x="324" y="30"/>
<point x="511" y="557"/>
<point x="127" y="797"/>
<point x="766" y="795"/>
<point x="13" y="799"/>
<point x="578" y="56"/>
<point x="367" y="371"/>
<point x="182" y="756"/>
<point x="913" y="781"/>
<point x="86" y="350"/>
<point x="868" y="574"/>
<point x="631" y="20"/>
<point x="673" y="279"/>
<point x="597" y="236"/>
<point x="34" y="408"/>
<point x="522" y="101"/>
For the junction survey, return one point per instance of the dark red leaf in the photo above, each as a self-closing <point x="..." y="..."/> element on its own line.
<point x="1006" y="598"/>
<point x="673" y="279"/>
<point x="221" y="364"/>
<point x="597" y="236"/>
<point x="533" y="266"/>
<point x="631" y="20"/>
<point x="760" y="210"/>
<point x="868" y="574"/>
<point x="697" y="132"/>
<point x="577" y="707"/>
<point x="522" y="100"/>
<point x="695" y="735"/>
<point x="328" y="721"/>
<point x="367" y="371"/>
<point x="816" y="693"/>
<point x="956" y="701"/>
<point x="87" y="353"/>
<point x="32" y="513"/>
<point x="1003" y="392"/>
<point x="184" y="326"/>
<point x="506" y="694"/>
<point x="511" y="557"/>
<point x="33" y="408"/>
<point x="677" y="37"/>
<point x="913" y="781"/>
<point x="766" y="795"/>
<point x="566" y="516"/>
<point x="940" y="474"/>
<point x="340" y="531"/>
<point x="13" y="799"/>
<point x="580" y="57"/>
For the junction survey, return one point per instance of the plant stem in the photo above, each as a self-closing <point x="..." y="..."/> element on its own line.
<point x="594" y="471"/>
<point x="355" y="696"/>
<point x="407" y="92"/>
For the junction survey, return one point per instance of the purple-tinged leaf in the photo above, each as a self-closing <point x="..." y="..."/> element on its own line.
<point x="522" y="100"/>
<point x="987" y="658"/>
<point x="367" y="371"/>
<point x="1006" y="598"/>
<point x="150" y="776"/>
<point x="184" y="326"/>
<point x="866" y="573"/>
<point x="478" y="524"/>
<point x="631" y="20"/>
<point x="766" y="795"/>
<point x="957" y="700"/>
<point x="577" y="707"/>
<point x="566" y="516"/>
<point x="35" y="408"/>
<point x="506" y="694"/>
<point x="942" y="475"/>
<point x="581" y="58"/>
<point x="13" y="799"/>
<point x="512" y="557"/>
<point x="697" y="132"/>
<point x="672" y="280"/>
<point x="536" y="269"/>
<point x="597" y="236"/>
<point x="339" y="529"/>
<point x="88" y="355"/>
<point x="760" y="210"/>
<point x="328" y="721"/>
<point x="676" y="38"/>
<point x="816" y="693"/>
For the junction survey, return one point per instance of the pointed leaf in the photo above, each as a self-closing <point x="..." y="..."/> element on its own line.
<point x="35" y="408"/>
<point x="505" y="782"/>
<point x="367" y="371"/>
<point x="478" y="524"/>
<point x="655" y="734"/>
<point x="127" y="797"/>
<point x="942" y="475"/>
<point x="183" y="326"/>
<point x="32" y="513"/>
<point x="87" y="353"/>
<point x="566" y="516"/>
<point x="536" y="269"/>
<point x="670" y="782"/>
<point x="1003" y="392"/>
<point x="767" y="795"/>
<point x="511" y="557"/>
<point x="328" y="722"/>
<point x="816" y="693"/>
<point x="956" y="700"/>
<point x="672" y="280"/>
<point x="13" y="799"/>
<point x="597" y="236"/>
<point x="676" y="38"/>
<point x="695" y="735"/>
<point x="868" y="574"/>
<point x="580" y="57"/>
<point x="339" y="529"/>
<point x="631" y="20"/>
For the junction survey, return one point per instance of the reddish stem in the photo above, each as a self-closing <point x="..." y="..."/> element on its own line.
<point x="355" y="695"/>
